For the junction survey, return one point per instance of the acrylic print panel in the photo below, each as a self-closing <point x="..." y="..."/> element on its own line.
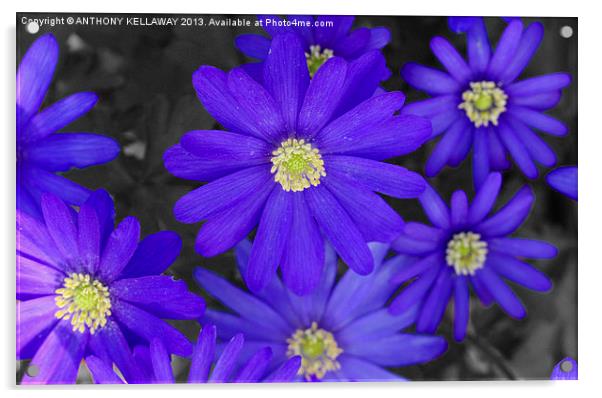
<point x="259" y="199"/>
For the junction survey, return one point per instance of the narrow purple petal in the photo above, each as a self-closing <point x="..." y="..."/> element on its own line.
<point x="224" y="367"/>
<point x="564" y="180"/>
<point x="322" y="97"/>
<point x="102" y="372"/>
<point x="120" y="248"/>
<point x="148" y="327"/>
<point x="429" y="80"/>
<point x="529" y="42"/>
<point x="435" y="304"/>
<point x="161" y="362"/>
<point x="58" y="115"/>
<point x="459" y="208"/>
<point x="509" y="217"/>
<point x="303" y="257"/>
<point x="285" y="372"/>
<point x="61" y="226"/>
<point x="286" y="76"/>
<point x="340" y="229"/>
<point x="154" y="255"/>
<point x="88" y="238"/>
<point x="485" y="198"/>
<point x="375" y="219"/>
<point x="270" y="241"/>
<point x="447" y="146"/>
<point x="34" y="76"/>
<point x="506" y="49"/>
<point x="518" y="151"/>
<point x="220" y="194"/>
<point x="434" y="207"/>
<point x="480" y="156"/>
<point x="236" y="149"/>
<point x="538" y="120"/>
<point x="35" y="319"/>
<point x="35" y="279"/>
<point x="450" y="59"/>
<point x="539" y="84"/>
<point x="415" y="292"/>
<point x="518" y="272"/>
<point x="461" y="307"/>
<point x="255" y="367"/>
<point x="252" y="45"/>
<point x="203" y="355"/>
<point x="502" y="294"/>
<point x="537" y="148"/>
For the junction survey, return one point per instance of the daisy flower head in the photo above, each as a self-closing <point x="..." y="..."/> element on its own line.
<point x="342" y="331"/>
<point x="301" y="159"/>
<point x="466" y="247"/>
<point x="41" y="151"/>
<point x="87" y="288"/>
<point x="322" y="38"/>
<point x="479" y="103"/>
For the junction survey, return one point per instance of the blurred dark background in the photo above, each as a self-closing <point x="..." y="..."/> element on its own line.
<point x="143" y="78"/>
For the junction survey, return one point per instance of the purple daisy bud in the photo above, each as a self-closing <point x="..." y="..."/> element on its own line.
<point x="479" y="104"/>
<point x="41" y="152"/>
<point x="301" y="159"/>
<point x="83" y="286"/>
<point x="342" y="331"/>
<point x="565" y="370"/>
<point x="321" y="38"/>
<point x="154" y="363"/>
<point x="564" y="180"/>
<point x="466" y="246"/>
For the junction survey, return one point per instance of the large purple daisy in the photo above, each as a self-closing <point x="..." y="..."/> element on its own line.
<point x="321" y="37"/>
<point x="342" y="331"/>
<point x="84" y="288"/>
<point x="300" y="158"/>
<point x="466" y="247"/>
<point x="154" y="362"/>
<point x="41" y="152"/>
<point x="480" y="104"/>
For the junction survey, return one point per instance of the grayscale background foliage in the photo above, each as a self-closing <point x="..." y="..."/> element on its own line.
<point x="147" y="102"/>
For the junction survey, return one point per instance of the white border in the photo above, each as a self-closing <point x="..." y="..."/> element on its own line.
<point x="590" y="146"/>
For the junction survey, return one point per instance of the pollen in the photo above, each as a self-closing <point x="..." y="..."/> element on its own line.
<point x="316" y="58"/>
<point x="484" y="103"/>
<point x="297" y="165"/>
<point x="318" y="350"/>
<point x="84" y="301"/>
<point x="466" y="252"/>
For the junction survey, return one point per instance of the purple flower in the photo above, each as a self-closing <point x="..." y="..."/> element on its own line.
<point x="466" y="247"/>
<point x="41" y="152"/>
<point x="85" y="288"/>
<point x="342" y="331"/>
<point x="154" y="362"/>
<point x="564" y="180"/>
<point x="321" y="38"/>
<point x="300" y="158"/>
<point x="480" y="104"/>
<point x="565" y="370"/>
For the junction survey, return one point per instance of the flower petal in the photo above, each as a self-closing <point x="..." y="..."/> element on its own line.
<point x="519" y="247"/>
<point x="154" y="255"/>
<point x="34" y="77"/>
<point x="203" y="355"/>
<point x="322" y="97"/>
<point x="220" y="194"/>
<point x="461" y="307"/>
<point x="148" y="327"/>
<point x="252" y="45"/>
<point x="529" y="42"/>
<point x="539" y="84"/>
<point x="340" y="229"/>
<point x="518" y="151"/>
<point x="509" y="217"/>
<point x="303" y="256"/>
<point x="538" y="120"/>
<point x="35" y="319"/>
<point x="506" y="49"/>
<point x="270" y="241"/>
<point x="519" y="272"/>
<point x="236" y="149"/>
<point x="101" y="372"/>
<point x="226" y="363"/>
<point x="61" y="152"/>
<point x="61" y="225"/>
<point x="120" y="248"/>
<point x="161" y="362"/>
<point x="564" y="180"/>
<point x="450" y="59"/>
<point x="286" y="76"/>
<point x="485" y="198"/>
<point x="429" y="80"/>
<point x="58" y="115"/>
<point x="377" y="176"/>
<point x="434" y="207"/>
<point x="58" y="357"/>
<point x="502" y="294"/>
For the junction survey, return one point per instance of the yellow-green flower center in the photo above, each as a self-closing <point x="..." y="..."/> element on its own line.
<point x="318" y="350"/>
<point x="297" y="165"/>
<point x="484" y="103"/>
<point x="85" y="301"/>
<point x="466" y="252"/>
<point x="316" y="58"/>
